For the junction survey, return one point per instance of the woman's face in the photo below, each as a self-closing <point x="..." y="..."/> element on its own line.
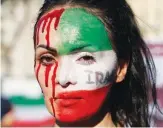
<point x="75" y="63"/>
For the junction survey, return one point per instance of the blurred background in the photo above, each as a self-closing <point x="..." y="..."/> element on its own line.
<point x="18" y="83"/>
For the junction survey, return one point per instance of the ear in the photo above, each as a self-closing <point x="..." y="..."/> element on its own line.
<point x="122" y="70"/>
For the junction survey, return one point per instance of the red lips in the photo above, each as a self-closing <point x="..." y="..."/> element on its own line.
<point x="67" y="99"/>
<point x="68" y="95"/>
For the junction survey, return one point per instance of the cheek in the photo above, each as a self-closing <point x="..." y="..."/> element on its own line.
<point x="46" y="78"/>
<point x="40" y="75"/>
<point x="93" y="77"/>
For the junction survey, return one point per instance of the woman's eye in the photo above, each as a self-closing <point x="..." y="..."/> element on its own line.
<point x="86" y="60"/>
<point x="47" y="60"/>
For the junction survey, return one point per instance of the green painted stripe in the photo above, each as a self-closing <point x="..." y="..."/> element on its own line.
<point x="20" y="100"/>
<point x="79" y="28"/>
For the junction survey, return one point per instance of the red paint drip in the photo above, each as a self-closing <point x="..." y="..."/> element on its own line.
<point x="54" y="14"/>
<point x="53" y="80"/>
<point x="51" y="102"/>
<point x="43" y="27"/>
<point x="58" y="15"/>
<point x="37" y="37"/>
<point x="48" y="68"/>
<point x="37" y="71"/>
<point x="48" y="32"/>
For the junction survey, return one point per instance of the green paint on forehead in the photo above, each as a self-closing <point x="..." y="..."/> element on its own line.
<point x="79" y="28"/>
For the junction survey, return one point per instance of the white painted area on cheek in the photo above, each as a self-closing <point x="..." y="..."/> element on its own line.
<point x="65" y="70"/>
<point x="72" y="71"/>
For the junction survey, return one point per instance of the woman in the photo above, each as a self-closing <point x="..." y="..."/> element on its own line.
<point x="92" y="64"/>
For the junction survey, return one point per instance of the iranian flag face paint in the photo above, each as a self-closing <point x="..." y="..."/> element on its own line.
<point x="75" y="63"/>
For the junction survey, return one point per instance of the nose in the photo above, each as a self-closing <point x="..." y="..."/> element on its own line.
<point x="65" y="74"/>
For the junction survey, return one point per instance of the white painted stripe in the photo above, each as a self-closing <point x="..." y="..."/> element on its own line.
<point x="106" y="61"/>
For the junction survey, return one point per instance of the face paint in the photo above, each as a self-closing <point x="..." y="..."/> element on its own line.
<point x="37" y="71"/>
<point x="53" y="80"/>
<point x="47" y="75"/>
<point x="48" y="18"/>
<point x="51" y="102"/>
<point x="91" y="32"/>
<point x="82" y="45"/>
<point x="78" y="105"/>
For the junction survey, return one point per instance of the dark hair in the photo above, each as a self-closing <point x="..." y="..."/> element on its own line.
<point x="128" y="100"/>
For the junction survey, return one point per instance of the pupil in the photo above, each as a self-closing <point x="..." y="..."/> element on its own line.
<point x="48" y="59"/>
<point x="87" y="57"/>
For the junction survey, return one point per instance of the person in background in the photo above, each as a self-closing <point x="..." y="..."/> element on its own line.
<point x="6" y="113"/>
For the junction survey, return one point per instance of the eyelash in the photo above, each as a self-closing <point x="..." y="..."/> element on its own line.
<point x="47" y="60"/>
<point x="86" y="59"/>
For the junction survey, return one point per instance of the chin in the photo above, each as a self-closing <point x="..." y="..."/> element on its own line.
<point x="68" y="115"/>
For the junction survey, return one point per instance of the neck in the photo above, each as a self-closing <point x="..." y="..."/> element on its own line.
<point x="106" y="122"/>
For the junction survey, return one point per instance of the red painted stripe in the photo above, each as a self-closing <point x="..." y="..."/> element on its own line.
<point x="53" y="80"/>
<point x="47" y="71"/>
<point x="48" y="32"/>
<point x="37" y="71"/>
<point x="51" y="102"/>
<point x="43" y="28"/>
<point x="58" y="15"/>
<point x="37" y="35"/>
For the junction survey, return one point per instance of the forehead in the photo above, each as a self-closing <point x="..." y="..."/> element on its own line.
<point x="74" y="28"/>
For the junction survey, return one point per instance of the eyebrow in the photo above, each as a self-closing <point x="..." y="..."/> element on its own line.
<point x="79" y="48"/>
<point x="52" y="50"/>
<point x="71" y="51"/>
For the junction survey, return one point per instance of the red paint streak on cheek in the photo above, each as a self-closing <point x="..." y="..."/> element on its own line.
<point x="53" y="87"/>
<point x="37" y="71"/>
<point x="47" y="71"/>
<point x="53" y="80"/>
<point x="54" y="14"/>
<point x="51" y="102"/>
